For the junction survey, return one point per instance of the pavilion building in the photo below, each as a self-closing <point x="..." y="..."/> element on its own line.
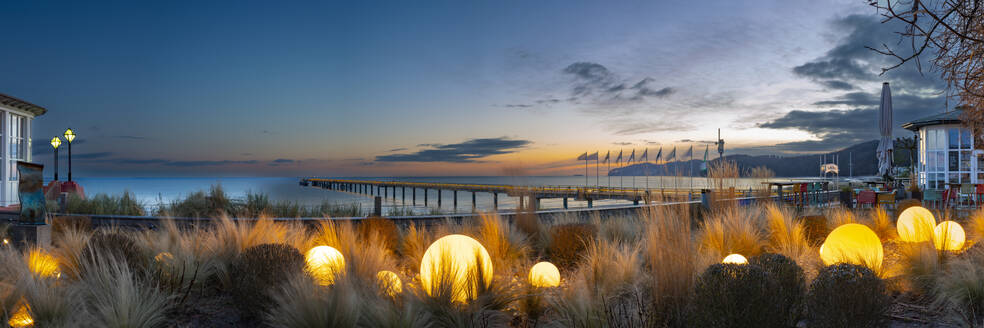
<point x="947" y="154"/>
<point x="15" y="132"/>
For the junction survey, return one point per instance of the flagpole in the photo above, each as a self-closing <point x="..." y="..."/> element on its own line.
<point x="585" y="171"/>
<point x="609" y="162"/>
<point x="597" y="177"/>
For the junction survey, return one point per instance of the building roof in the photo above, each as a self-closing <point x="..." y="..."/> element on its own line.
<point x="951" y="117"/>
<point x="15" y="103"/>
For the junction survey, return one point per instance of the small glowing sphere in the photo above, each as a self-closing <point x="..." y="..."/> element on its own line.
<point x="21" y="318"/>
<point x="821" y="248"/>
<point x="454" y="261"/>
<point x="544" y="274"/>
<point x="389" y="282"/>
<point x="853" y="243"/>
<point x="324" y="263"/>
<point x="41" y="263"/>
<point x="949" y="236"/>
<point x="915" y="224"/>
<point x="735" y="259"/>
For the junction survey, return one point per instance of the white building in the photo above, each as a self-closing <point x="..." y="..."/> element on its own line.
<point x="947" y="154"/>
<point x="15" y="119"/>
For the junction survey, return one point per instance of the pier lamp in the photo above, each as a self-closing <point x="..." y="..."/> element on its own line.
<point x="69" y="135"/>
<point x="55" y="142"/>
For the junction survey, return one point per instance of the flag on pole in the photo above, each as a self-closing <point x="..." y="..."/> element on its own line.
<point x="690" y="153"/>
<point x="608" y="156"/>
<point x="583" y="157"/>
<point x="672" y="155"/>
<point x="619" y="158"/>
<point x="659" y="154"/>
<point x="645" y="156"/>
<point x="631" y="157"/>
<point x="593" y="157"/>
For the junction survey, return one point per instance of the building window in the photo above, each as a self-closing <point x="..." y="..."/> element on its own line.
<point x="946" y="157"/>
<point x="18" y="145"/>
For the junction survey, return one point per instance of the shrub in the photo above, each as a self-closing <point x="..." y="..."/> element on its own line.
<point x="960" y="290"/>
<point x="736" y="295"/>
<point x="791" y="283"/>
<point x="385" y="230"/>
<point x="260" y="268"/>
<point x="569" y="241"/>
<point x="846" y="295"/>
<point x="815" y="228"/>
<point x="124" y="204"/>
<point x="905" y="204"/>
<point x="114" y="246"/>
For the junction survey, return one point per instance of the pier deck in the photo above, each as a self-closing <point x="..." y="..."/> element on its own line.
<point x="529" y="195"/>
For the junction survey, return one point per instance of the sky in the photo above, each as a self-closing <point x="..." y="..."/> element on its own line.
<point x="370" y="88"/>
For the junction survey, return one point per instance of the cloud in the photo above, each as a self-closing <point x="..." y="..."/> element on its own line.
<point x="140" y="161"/>
<point x="622" y="143"/>
<point x="465" y="152"/>
<point x="852" y="117"/>
<point x="630" y="127"/>
<point x="281" y="161"/>
<point x="595" y="82"/>
<point x="86" y="156"/>
<point x="397" y="149"/>
<point x="129" y="137"/>
<point x="208" y="163"/>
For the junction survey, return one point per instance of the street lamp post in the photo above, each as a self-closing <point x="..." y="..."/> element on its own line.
<point x="55" y="142"/>
<point x="69" y="135"/>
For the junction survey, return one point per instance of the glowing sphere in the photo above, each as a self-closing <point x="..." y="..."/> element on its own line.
<point x="915" y="224"/>
<point x="735" y="259"/>
<point x="544" y="274"/>
<point x="324" y="263"/>
<point x="949" y="236"/>
<point x="853" y="243"/>
<point x="41" y="263"/>
<point x="21" y="318"/>
<point x="454" y="261"/>
<point x="389" y="282"/>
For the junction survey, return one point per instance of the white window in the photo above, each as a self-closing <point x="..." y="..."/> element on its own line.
<point x="17" y="143"/>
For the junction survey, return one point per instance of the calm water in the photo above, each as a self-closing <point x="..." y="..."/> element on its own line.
<point x="154" y="191"/>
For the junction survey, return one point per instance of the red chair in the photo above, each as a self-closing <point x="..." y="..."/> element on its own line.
<point x="949" y="194"/>
<point x="867" y="197"/>
<point x="802" y="193"/>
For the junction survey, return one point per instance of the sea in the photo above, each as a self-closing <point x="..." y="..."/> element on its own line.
<point x="155" y="191"/>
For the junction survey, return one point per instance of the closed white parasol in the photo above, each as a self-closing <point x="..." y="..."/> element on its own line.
<point x="885" y="126"/>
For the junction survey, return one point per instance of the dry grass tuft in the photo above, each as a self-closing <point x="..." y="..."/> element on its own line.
<point x="733" y="230"/>
<point x="787" y="236"/>
<point x="883" y="225"/>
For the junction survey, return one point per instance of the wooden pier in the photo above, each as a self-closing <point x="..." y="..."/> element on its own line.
<point x="529" y="196"/>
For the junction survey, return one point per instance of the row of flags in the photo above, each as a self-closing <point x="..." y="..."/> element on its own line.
<point x="644" y="157"/>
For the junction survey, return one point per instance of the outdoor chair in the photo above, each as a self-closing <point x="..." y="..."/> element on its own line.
<point x="866" y="197"/>
<point x="932" y="197"/>
<point x="801" y="191"/>
<point x="967" y="193"/>
<point x="979" y="194"/>
<point x="887" y="200"/>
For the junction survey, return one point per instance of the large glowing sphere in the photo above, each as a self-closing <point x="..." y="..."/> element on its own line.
<point x="324" y="263"/>
<point x="544" y="274"/>
<point x="41" y="263"/>
<point x="949" y="236"/>
<point x="915" y="224"/>
<point x="853" y="243"/>
<point x="735" y="259"/>
<point x="21" y="318"/>
<point x="389" y="282"/>
<point x="457" y="261"/>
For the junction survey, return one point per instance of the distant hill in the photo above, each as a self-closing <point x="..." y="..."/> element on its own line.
<point x="865" y="163"/>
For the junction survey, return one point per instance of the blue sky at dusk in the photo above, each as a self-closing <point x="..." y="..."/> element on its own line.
<point x="188" y="88"/>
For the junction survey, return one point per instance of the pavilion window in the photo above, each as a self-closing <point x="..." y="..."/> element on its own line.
<point x="18" y="145"/>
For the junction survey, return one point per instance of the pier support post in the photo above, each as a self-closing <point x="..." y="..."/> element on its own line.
<point x="473" y="202"/>
<point x="536" y="203"/>
<point x="635" y="202"/>
<point x="377" y="206"/>
<point x="455" y="199"/>
<point x="590" y="203"/>
<point x="439" y="198"/>
<point x="495" y="201"/>
<point x="403" y="194"/>
<point x="565" y="203"/>
<point x="425" y="196"/>
<point x="385" y="192"/>
<point x="413" y="196"/>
